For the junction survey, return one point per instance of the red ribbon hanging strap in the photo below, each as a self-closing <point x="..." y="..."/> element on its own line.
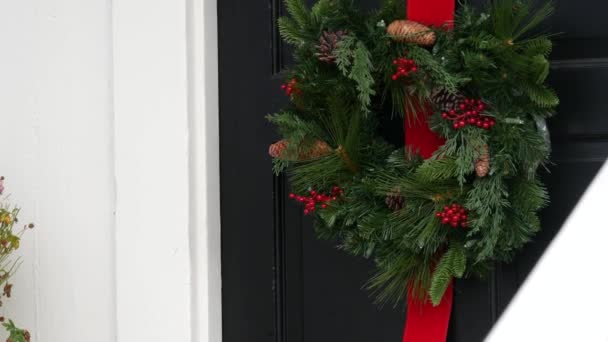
<point x="428" y="323"/>
<point x="438" y="13"/>
<point x="425" y="322"/>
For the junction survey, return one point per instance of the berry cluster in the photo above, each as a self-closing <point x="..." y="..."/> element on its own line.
<point x="404" y="66"/>
<point x="468" y="112"/>
<point x="316" y="198"/>
<point x="291" y="87"/>
<point x="454" y="215"/>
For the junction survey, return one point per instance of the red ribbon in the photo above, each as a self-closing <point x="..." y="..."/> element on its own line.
<point x="428" y="323"/>
<point x="439" y="13"/>
<point x="425" y="322"/>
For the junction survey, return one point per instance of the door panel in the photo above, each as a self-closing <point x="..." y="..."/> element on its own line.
<point x="279" y="282"/>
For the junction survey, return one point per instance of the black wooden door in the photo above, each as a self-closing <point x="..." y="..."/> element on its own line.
<point x="279" y="282"/>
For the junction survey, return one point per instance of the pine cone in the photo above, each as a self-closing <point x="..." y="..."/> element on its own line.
<point x="482" y="165"/>
<point x="444" y="100"/>
<point x="318" y="149"/>
<point x="411" y="32"/>
<point x="394" y="200"/>
<point x="275" y="150"/>
<point x="328" y="43"/>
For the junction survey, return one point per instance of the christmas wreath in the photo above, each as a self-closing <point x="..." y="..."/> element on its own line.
<point x="424" y="216"/>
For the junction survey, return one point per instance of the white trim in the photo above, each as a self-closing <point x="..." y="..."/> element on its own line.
<point x="564" y="298"/>
<point x="168" y="284"/>
<point x="205" y="239"/>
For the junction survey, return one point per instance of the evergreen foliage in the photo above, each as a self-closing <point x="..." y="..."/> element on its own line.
<point x="498" y="55"/>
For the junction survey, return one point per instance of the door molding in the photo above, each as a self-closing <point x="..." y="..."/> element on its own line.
<point x="205" y="232"/>
<point x="166" y="147"/>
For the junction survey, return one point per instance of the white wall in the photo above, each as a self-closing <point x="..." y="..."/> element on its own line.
<point x="56" y="153"/>
<point x="109" y="142"/>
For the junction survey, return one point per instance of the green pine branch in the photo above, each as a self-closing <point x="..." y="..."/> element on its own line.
<point x="452" y="264"/>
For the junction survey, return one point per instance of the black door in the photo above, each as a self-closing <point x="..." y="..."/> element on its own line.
<point x="279" y="282"/>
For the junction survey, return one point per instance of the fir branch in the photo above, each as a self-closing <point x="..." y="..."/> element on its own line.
<point x="537" y="46"/>
<point x="298" y="11"/>
<point x="442" y="276"/>
<point x="344" y="53"/>
<point x="291" y="32"/>
<point x="514" y="18"/>
<point x="361" y="74"/>
<point x="391" y="10"/>
<point x="320" y="10"/>
<point x="280" y="165"/>
<point x="294" y="128"/>
<point x="541" y="95"/>
<point x="437" y="169"/>
<point x="451" y="264"/>
<point x="354" y="61"/>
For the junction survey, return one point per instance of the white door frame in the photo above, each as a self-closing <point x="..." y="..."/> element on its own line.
<point x="166" y="142"/>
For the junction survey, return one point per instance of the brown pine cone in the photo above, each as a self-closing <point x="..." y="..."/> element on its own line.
<point x="482" y="165"/>
<point x="411" y="32"/>
<point x="318" y="149"/>
<point x="328" y="43"/>
<point x="444" y="100"/>
<point x="394" y="200"/>
<point x="275" y="150"/>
